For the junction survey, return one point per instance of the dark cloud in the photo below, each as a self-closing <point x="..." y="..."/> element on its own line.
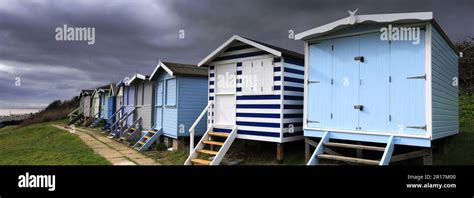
<point x="132" y="35"/>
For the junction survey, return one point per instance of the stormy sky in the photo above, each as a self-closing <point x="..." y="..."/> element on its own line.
<point x="131" y="36"/>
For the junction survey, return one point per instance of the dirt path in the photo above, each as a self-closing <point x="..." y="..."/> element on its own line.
<point x="115" y="152"/>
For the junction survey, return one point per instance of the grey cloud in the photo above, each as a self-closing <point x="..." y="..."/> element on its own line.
<point x="132" y="35"/>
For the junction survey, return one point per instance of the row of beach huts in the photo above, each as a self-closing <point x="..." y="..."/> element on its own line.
<point x="351" y="89"/>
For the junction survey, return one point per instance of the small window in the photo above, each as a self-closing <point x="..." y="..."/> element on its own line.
<point x="170" y="92"/>
<point x="139" y="93"/>
<point x="257" y="77"/>
<point x="159" y="94"/>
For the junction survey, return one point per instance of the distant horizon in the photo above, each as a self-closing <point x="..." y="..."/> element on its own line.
<point x="18" y="111"/>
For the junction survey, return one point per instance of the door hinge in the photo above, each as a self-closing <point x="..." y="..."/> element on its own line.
<point x="359" y="58"/>
<point x="331" y="115"/>
<point x="417" y="77"/>
<point x="311" y="121"/>
<point x="313" y="81"/>
<point x="332" y="47"/>
<point x="332" y="81"/>
<point x="389" y="79"/>
<point x="360" y="107"/>
<point x="417" y="127"/>
<point x="389" y="118"/>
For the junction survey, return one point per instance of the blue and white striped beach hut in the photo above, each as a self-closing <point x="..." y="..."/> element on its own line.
<point x="255" y="92"/>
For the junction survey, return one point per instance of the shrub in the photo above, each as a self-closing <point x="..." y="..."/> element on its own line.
<point x="56" y="110"/>
<point x="466" y="108"/>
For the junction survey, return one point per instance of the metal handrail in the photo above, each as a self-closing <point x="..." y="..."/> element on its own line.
<point x="191" y="130"/>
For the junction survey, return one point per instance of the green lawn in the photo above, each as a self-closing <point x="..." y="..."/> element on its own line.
<point x="43" y="144"/>
<point x="460" y="149"/>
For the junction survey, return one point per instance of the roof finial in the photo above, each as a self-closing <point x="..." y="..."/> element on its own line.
<point x="352" y="13"/>
<point x="352" y="17"/>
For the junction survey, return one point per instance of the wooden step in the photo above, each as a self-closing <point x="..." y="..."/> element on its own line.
<point x="204" y="151"/>
<point x="140" y="142"/>
<point x="146" y="137"/>
<point x="219" y="134"/>
<point x="349" y="159"/>
<point x="122" y="138"/>
<point x="152" y="132"/>
<point x="355" y="146"/>
<point x="201" y="161"/>
<point x="133" y="129"/>
<point x="213" y="143"/>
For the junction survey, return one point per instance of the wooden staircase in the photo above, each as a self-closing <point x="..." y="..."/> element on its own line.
<point x="114" y="118"/>
<point x="127" y="135"/>
<point x="212" y="147"/>
<point x="147" y="140"/>
<point x="324" y="152"/>
<point x="77" y="120"/>
<point x="130" y="134"/>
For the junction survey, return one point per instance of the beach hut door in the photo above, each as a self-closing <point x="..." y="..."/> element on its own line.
<point x="225" y="94"/>
<point x="159" y="105"/>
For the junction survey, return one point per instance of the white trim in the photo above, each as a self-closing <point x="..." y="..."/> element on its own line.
<point x="368" y="132"/>
<point x="111" y="90"/>
<point x="139" y="76"/>
<point x="357" y="19"/>
<point x="428" y="82"/>
<point x="282" y="94"/>
<point x="241" y="59"/>
<point x="305" y="90"/>
<point x="259" y="138"/>
<point x="376" y="30"/>
<point x="241" y="39"/>
<point x="161" y="65"/>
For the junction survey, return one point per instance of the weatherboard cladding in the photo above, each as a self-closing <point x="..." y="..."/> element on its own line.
<point x="192" y="99"/>
<point x="85" y="102"/>
<point x="445" y="108"/>
<point x="104" y="105"/>
<point x="166" y="116"/>
<point x="81" y="105"/>
<point x="119" y="99"/>
<point x="129" y="103"/>
<point x="87" y="105"/>
<point x="144" y="90"/>
<point x="179" y="99"/>
<point x="95" y="104"/>
<point x="265" y="117"/>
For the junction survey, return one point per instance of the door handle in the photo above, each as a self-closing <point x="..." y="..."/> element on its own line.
<point x="360" y="107"/>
